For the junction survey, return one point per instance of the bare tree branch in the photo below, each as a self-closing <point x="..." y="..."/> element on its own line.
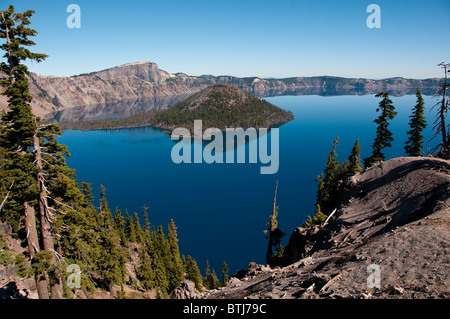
<point x="6" y="197"/>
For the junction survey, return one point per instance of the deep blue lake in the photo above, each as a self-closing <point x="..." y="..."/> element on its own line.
<point x="221" y="209"/>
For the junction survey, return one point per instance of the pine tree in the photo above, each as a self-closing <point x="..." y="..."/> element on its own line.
<point x="317" y="219"/>
<point x="329" y="185"/>
<point x="105" y="216"/>
<point x="193" y="273"/>
<point x="214" y="282"/>
<point x="383" y="137"/>
<point x="22" y="263"/>
<point x="273" y="232"/>
<point x="159" y="271"/>
<point x="137" y="228"/>
<point x="210" y="280"/>
<point x="321" y="192"/>
<point x="225" y="276"/>
<point x="111" y="256"/>
<point x="86" y="190"/>
<point x="120" y="226"/>
<point x="145" y="271"/>
<point x="206" y="278"/>
<point x="330" y="168"/>
<point x="5" y="255"/>
<point x="417" y="123"/>
<point x="328" y="181"/>
<point x="130" y="230"/>
<point x="110" y="260"/>
<point x="19" y="127"/>
<point x="355" y="165"/>
<point x="329" y="178"/>
<point x="146" y="229"/>
<point x="175" y="271"/>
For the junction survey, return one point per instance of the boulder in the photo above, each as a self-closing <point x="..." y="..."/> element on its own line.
<point x="186" y="290"/>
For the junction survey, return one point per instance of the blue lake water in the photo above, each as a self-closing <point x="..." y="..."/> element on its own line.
<point x="221" y="209"/>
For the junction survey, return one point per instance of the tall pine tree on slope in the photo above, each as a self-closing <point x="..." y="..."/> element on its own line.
<point x="354" y="160"/>
<point x="417" y="123"/>
<point x="19" y="126"/>
<point x="383" y="137"/>
<point x="175" y="271"/>
<point x="193" y="272"/>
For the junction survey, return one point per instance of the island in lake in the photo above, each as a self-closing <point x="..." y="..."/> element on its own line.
<point x="219" y="106"/>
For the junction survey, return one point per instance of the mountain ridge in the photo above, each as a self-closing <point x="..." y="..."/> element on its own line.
<point x="140" y="86"/>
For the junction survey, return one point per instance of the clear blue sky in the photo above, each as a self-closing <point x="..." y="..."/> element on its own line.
<point x="283" y="38"/>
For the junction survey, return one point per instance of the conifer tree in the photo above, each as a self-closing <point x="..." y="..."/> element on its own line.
<point x="120" y="226"/>
<point x="5" y="255"/>
<point x="318" y="218"/>
<point x="273" y="232"/>
<point x="225" y="276"/>
<point x="207" y="278"/>
<point x="145" y="271"/>
<point x="330" y="176"/>
<point x="111" y="256"/>
<point x="383" y="137"/>
<point x="193" y="273"/>
<point x="214" y="282"/>
<point x="146" y="228"/>
<point x="105" y="216"/>
<point x="19" y="129"/>
<point x="137" y="228"/>
<point x="329" y="185"/>
<point x="328" y="182"/>
<point x="110" y="259"/>
<point x="86" y="190"/>
<point x="355" y="165"/>
<point x="321" y="192"/>
<point x="417" y="123"/>
<point x="210" y="280"/>
<point x="130" y="230"/>
<point x="159" y="270"/>
<point x="175" y="270"/>
<point x="330" y="168"/>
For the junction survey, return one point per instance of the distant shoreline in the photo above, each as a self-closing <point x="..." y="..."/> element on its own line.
<point x="218" y="106"/>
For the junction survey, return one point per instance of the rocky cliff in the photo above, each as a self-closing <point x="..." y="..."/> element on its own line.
<point x="131" y="88"/>
<point x="389" y="238"/>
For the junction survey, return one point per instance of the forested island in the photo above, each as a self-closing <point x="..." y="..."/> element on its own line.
<point x="218" y="106"/>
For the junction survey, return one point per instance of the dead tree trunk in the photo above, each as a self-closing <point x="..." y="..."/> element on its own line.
<point x="33" y="248"/>
<point x="45" y="217"/>
<point x="440" y="128"/>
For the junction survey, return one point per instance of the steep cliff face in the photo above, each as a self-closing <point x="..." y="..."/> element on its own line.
<point x="119" y="88"/>
<point x="389" y="238"/>
<point x="134" y="87"/>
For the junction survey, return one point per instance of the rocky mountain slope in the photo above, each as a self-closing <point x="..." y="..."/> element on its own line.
<point x="12" y="286"/>
<point x="131" y="88"/>
<point x="390" y="238"/>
